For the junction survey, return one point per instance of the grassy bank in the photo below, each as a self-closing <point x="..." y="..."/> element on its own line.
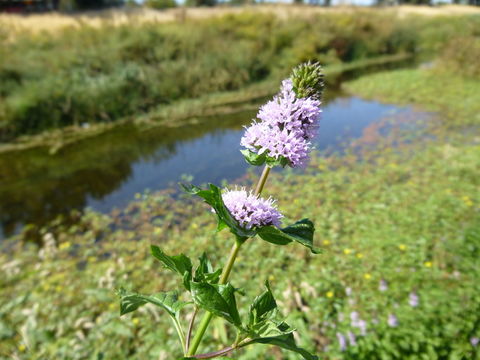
<point x="92" y="74"/>
<point x="452" y="95"/>
<point x="184" y="112"/>
<point x="405" y="217"/>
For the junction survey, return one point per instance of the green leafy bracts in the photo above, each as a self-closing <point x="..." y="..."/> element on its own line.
<point x="260" y="159"/>
<point x="307" y="80"/>
<point x="302" y="231"/>
<point x="213" y="197"/>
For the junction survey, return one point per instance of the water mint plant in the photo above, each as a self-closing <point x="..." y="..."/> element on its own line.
<point x="280" y="136"/>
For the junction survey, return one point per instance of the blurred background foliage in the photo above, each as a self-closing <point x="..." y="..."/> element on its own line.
<point x="104" y="74"/>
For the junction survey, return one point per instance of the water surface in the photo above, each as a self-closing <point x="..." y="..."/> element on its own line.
<point x="107" y="171"/>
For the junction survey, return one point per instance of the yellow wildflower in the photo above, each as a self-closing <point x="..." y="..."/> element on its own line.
<point x="330" y="294"/>
<point x="367" y="276"/>
<point x="359" y="255"/>
<point x="347" y="251"/>
<point x="428" y="264"/>
<point x="135" y="321"/>
<point x="402" y="247"/>
<point x="326" y="242"/>
<point x="65" y="245"/>
<point x="22" y="347"/>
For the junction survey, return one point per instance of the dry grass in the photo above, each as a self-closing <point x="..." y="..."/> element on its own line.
<point x="13" y="24"/>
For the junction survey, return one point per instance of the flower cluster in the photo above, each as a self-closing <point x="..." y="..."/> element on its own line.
<point x="285" y="128"/>
<point x="250" y="210"/>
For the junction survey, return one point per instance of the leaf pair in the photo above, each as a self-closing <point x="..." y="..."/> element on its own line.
<point x="259" y="159"/>
<point x="302" y="231"/>
<point x="182" y="265"/>
<point x="263" y="327"/>
<point x="218" y="300"/>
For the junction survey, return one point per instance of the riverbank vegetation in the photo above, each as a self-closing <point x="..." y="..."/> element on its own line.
<point x="104" y="74"/>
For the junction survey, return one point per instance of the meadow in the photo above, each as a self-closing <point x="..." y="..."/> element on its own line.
<point x="398" y="219"/>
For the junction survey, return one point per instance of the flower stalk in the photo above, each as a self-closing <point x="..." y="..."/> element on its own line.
<point x="226" y="272"/>
<point x="281" y="137"/>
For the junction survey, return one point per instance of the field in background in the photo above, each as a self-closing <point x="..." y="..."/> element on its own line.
<point x="126" y="70"/>
<point x="56" y="21"/>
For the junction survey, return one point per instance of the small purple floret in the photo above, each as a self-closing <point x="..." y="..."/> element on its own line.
<point x="413" y="299"/>
<point x="342" y="341"/>
<point x="352" y="339"/>
<point x="383" y="286"/>
<point x="392" y="320"/>
<point x="250" y="210"/>
<point x="285" y="127"/>
<point x="474" y="341"/>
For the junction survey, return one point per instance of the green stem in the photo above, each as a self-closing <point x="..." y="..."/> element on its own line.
<point x="180" y="333"/>
<point x="262" y="180"/>
<point x="202" y="327"/>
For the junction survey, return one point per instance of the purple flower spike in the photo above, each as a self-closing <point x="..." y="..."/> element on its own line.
<point x="342" y="341"/>
<point x="352" y="339"/>
<point x="250" y="210"/>
<point x="285" y="127"/>
<point x="392" y="320"/>
<point x="383" y="286"/>
<point x="413" y="299"/>
<point x="474" y="341"/>
<point x="362" y="325"/>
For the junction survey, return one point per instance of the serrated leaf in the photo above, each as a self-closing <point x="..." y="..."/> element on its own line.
<point x="213" y="197"/>
<point x="217" y="299"/>
<point x="130" y="301"/>
<point x="205" y="272"/>
<point x="261" y="306"/>
<point x="285" y="340"/>
<point x="302" y="232"/>
<point x="253" y="158"/>
<point x="177" y="263"/>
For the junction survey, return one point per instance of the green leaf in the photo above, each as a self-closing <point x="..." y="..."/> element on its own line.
<point x="217" y="299"/>
<point x="284" y="340"/>
<point x="205" y="272"/>
<point x="130" y="301"/>
<point x="281" y="161"/>
<point x="302" y="232"/>
<point x="177" y="263"/>
<point x="259" y="159"/>
<point x="213" y="197"/>
<point x="262" y="306"/>
<point x="254" y="158"/>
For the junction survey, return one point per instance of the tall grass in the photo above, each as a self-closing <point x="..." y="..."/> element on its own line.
<point x="92" y="74"/>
